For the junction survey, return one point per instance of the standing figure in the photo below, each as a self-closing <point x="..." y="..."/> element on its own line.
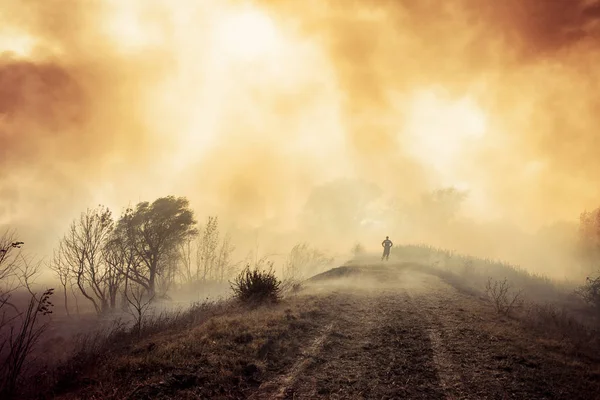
<point x="387" y="246"/>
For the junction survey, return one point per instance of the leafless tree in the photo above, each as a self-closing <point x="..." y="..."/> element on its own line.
<point x="208" y="257"/>
<point x="206" y="250"/>
<point x="139" y="302"/>
<point x="63" y="273"/>
<point x="82" y="249"/>
<point x="185" y="255"/>
<point x="119" y="259"/>
<point x="224" y="266"/>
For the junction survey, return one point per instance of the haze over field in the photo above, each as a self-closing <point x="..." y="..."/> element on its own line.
<point x="247" y="107"/>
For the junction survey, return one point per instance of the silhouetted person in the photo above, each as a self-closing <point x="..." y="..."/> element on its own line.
<point x="387" y="246"/>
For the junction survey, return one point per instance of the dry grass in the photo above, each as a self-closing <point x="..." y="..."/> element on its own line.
<point x="475" y="272"/>
<point x="223" y="351"/>
<point x="552" y="310"/>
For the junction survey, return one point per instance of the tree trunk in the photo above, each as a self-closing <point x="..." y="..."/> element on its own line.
<point x="104" y="306"/>
<point x="76" y="300"/>
<point x="66" y="300"/>
<point x="152" y="282"/>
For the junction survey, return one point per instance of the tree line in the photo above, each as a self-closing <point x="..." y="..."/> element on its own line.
<point x="148" y="249"/>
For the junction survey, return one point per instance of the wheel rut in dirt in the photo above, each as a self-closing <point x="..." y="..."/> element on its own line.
<point x="376" y="348"/>
<point x="417" y="337"/>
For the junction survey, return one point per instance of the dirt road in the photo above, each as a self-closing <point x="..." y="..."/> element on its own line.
<point x="408" y="335"/>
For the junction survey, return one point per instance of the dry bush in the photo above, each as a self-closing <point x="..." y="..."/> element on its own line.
<point x="559" y="322"/>
<point x="21" y="323"/>
<point x="101" y="345"/>
<point x="475" y="272"/>
<point x="23" y="333"/>
<point x="256" y="286"/>
<point x="502" y="297"/>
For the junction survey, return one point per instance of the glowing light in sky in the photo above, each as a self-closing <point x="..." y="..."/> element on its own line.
<point x="18" y="44"/>
<point x="440" y="129"/>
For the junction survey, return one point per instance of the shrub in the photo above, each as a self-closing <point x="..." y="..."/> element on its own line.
<point x="256" y="286"/>
<point x="503" y="299"/>
<point x="590" y="293"/>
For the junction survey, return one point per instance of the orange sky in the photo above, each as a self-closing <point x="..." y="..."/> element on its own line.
<point x="245" y="106"/>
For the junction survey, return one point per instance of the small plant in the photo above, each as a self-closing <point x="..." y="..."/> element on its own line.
<point x="503" y="299"/>
<point x="139" y="303"/>
<point x="256" y="286"/>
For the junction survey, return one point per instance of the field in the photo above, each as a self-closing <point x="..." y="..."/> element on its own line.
<point x="400" y="329"/>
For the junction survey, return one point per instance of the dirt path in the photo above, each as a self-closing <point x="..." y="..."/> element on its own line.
<point x="390" y="332"/>
<point x="415" y="337"/>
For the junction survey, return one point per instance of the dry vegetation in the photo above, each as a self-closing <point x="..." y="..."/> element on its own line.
<point x="253" y="286"/>
<point x="556" y="310"/>
<point x="219" y="350"/>
<point x="124" y="271"/>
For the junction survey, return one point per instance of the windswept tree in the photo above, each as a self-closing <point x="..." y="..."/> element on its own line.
<point x="153" y="231"/>
<point x="82" y="249"/>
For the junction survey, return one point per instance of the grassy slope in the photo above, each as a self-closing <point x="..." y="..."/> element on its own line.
<point x="225" y="356"/>
<point x="230" y="351"/>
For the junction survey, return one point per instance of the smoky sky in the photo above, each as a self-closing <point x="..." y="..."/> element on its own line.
<point x="84" y="119"/>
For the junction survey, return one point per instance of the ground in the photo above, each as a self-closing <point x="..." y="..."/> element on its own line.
<point x="379" y="332"/>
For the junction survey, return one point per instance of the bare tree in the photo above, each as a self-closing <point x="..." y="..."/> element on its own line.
<point x="118" y="259"/>
<point x="185" y="253"/>
<point x="224" y="266"/>
<point x="139" y="302"/>
<point x="206" y="251"/>
<point x="82" y="249"/>
<point x="63" y="273"/>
